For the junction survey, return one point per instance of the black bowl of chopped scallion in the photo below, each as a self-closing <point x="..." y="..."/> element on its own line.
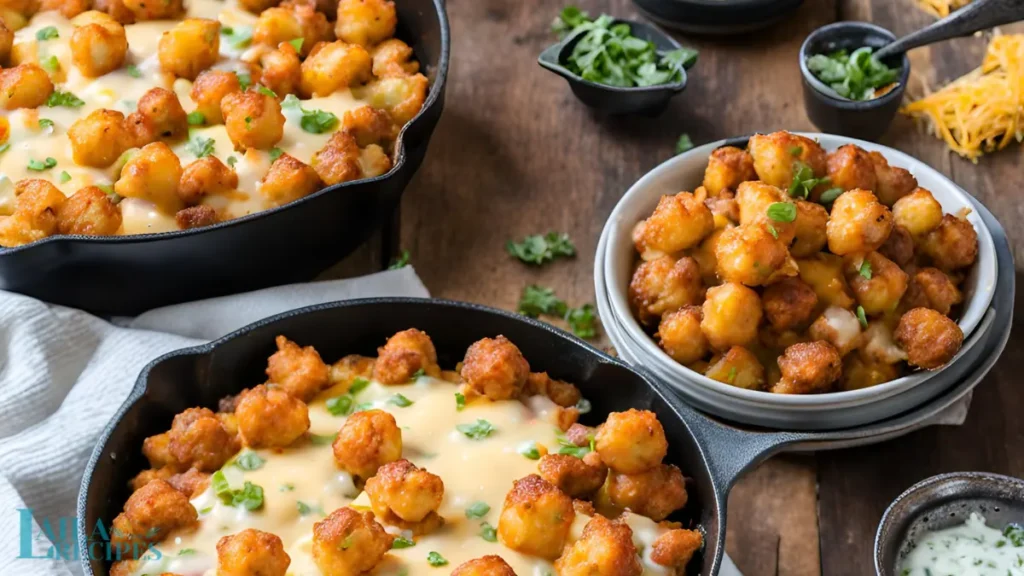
<point x="617" y="66"/>
<point x="846" y="89"/>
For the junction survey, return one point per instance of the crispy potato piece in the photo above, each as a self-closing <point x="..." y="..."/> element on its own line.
<point x="899" y="247"/>
<point x="878" y="345"/>
<point x="929" y="338"/>
<point x="560" y="392"/>
<point x="402" y="96"/>
<point x="680" y="335"/>
<point x="893" y="182"/>
<point x="952" y="245"/>
<point x="253" y="120"/>
<point x="369" y="125"/>
<point x="737" y="367"/>
<point x="206" y="176"/>
<point x="536" y="518"/>
<point x="808" y="368"/>
<point x="281" y="70"/>
<point x="575" y="476"/>
<point x="209" y="89"/>
<point x="149" y="10"/>
<point x="494" y="367"/>
<point x="824" y="274"/>
<point x="298" y="371"/>
<point x="728" y="166"/>
<point x="289" y="21"/>
<point x="393" y="58"/>
<point x="754" y="199"/>
<point x="751" y="254"/>
<point x="195" y="217"/>
<point x="850" y="167"/>
<point x="655" y="493"/>
<point x="877" y="283"/>
<point x="789" y="303"/>
<point x="631" y="442"/>
<point x="151" y="514"/>
<point x="88" y="212"/>
<point x="99" y="48"/>
<point x="353" y="366"/>
<point x="366" y="22"/>
<point x="664" y="285"/>
<point x="857" y="223"/>
<point x="35" y="214"/>
<point x="675" y="548"/>
<point x="270" y="418"/>
<point x="919" y="212"/>
<point x="338" y="160"/>
<point x="24" y="86"/>
<point x="198" y="439"/>
<point x="932" y="288"/>
<point x="777" y="157"/>
<point x="405" y="354"/>
<point x="288" y="180"/>
<point x="251" y="552"/>
<point x="400" y="489"/>
<point x="606" y="548"/>
<point x="858" y="373"/>
<point x="367" y="441"/>
<point x="839" y="327"/>
<point x="99" y="139"/>
<point x="810" y="232"/>
<point x="159" y="117"/>
<point x="732" y="313"/>
<point x="332" y="66"/>
<point x="6" y="43"/>
<point x="349" y="543"/>
<point x="190" y="47"/>
<point x="152" y="174"/>
<point x="490" y="565"/>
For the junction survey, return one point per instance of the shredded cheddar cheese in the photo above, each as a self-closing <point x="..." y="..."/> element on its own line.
<point x="982" y="111"/>
<point x="942" y="8"/>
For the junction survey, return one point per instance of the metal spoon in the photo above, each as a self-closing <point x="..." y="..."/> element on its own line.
<point x="978" y="15"/>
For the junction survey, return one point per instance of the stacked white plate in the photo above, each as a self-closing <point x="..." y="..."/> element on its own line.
<point x="613" y="269"/>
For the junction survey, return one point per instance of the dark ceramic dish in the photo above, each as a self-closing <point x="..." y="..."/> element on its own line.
<point x="125" y="275"/>
<point x="717" y="17"/>
<point x="616" y="99"/>
<point x="942" y="502"/>
<point x="867" y="119"/>
<point x="711" y="454"/>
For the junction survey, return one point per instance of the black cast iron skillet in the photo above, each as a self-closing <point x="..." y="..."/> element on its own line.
<point x="711" y="454"/>
<point x="126" y="275"/>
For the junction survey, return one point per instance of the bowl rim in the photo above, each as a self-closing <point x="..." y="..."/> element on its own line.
<point x="437" y="86"/>
<point x="685" y="376"/>
<point x="819" y="87"/>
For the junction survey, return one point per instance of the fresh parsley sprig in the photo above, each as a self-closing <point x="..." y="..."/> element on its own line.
<point x="537" y="249"/>
<point x="537" y="300"/>
<point x="857" y="75"/>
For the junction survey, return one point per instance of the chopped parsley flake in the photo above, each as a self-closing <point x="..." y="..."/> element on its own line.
<point x="321" y="439"/>
<point x="275" y="153"/>
<point x="340" y="405"/>
<point x="250" y="496"/>
<point x="684" y="143"/>
<point x="200" y="147"/>
<point x="306" y="509"/>
<point x="45" y="123"/>
<point x="66" y="99"/>
<point x="48" y="33"/>
<point x="537" y="249"/>
<point x="39" y="166"/>
<point x="477" y="510"/>
<point x="487" y="532"/>
<point x="133" y="71"/>
<point x="435" y="560"/>
<point x="358" y="385"/>
<point x="782" y="211"/>
<point x="232" y="161"/>
<point x="530" y="450"/>
<point x="476" y="431"/>
<point x="460" y="401"/>
<point x="249" y="460"/>
<point x="402" y="542"/>
<point x="287" y="487"/>
<point x="297" y="43"/>
<point x="804" y="180"/>
<point x="399" y="262"/>
<point x="318" y="121"/>
<point x="537" y="300"/>
<point x="865" y="269"/>
<point x="582" y="321"/>
<point x="400" y="401"/>
<point x="65" y="177"/>
<point x="196" y="118"/>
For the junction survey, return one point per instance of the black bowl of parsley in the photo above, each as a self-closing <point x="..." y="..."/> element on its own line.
<point x="847" y="90"/>
<point x="617" y="66"/>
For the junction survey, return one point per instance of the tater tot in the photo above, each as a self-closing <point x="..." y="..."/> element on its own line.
<point x="680" y="336"/>
<point x="839" y="327"/>
<point x="732" y="313"/>
<point x="738" y="367"/>
<point x="253" y="120"/>
<point x="400" y="489"/>
<point x="99" y="48"/>
<point x="196" y="217"/>
<point x="535" y="518"/>
<point x="952" y="245"/>
<point x="6" y="42"/>
<point x="403" y="355"/>
<point x="401" y="96"/>
<point x="88" y="212"/>
<point x="724" y="208"/>
<point x="152" y="174"/>
<point x="99" y="139"/>
<point x="605" y="549"/>
<point x="149" y="475"/>
<point x="270" y="418"/>
<point x="750" y="254"/>
<point x="824" y="274"/>
<point x="728" y="166"/>
<point x="367" y="441"/>
<point x="206" y="177"/>
<point x="675" y="548"/>
<point x="573" y="475"/>
<point x="369" y="125"/>
<point x="198" y="439"/>
<point x="679" y="222"/>
<point x="373" y="161"/>
<point x="857" y="223"/>
<point x="393" y="58"/>
<point x="929" y="338"/>
<point x="338" y="160"/>
<point x="560" y="392"/>
<point x="704" y="254"/>
<point x="893" y="182"/>
<point x="251" y="552"/>
<point x="899" y="247"/>
<point x="258" y="6"/>
<point x="289" y="21"/>
<point x="810" y="230"/>
<point x="209" y="89"/>
<point x="777" y="157"/>
<point x="35" y="214"/>
<point x="789" y="303"/>
<point x="655" y="493"/>
<point x="857" y="373"/>
<point x="332" y="66"/>
<point x="631" y="442"/>
<point x="159" y="117"/>
<point x="157" y="450"/>
<point x="349" y="543"/>
<point x="754" y="200"/>
<point x="281" y="70"/>
<point x="808" y="368"/>
<point x="933" y="288"/>
<point x="149" y="10"/>
<point x="494" y="367"/>
<point x="24" y="86"/>
<point x="116" y="9"/>
<point x="490" y="565"/>
<point x="288" y="180"/>
<point x="877" y="283"/>
<point x="190" y="47"/>
<point x="850" y="167"/>
<point x="191" y="482"/>
<point x="298" y="371"/>
<point x="919" y="212"/>
<point x="151" y="514"/>
<point x="663" y="285"/>
<point x="366" y="22"/>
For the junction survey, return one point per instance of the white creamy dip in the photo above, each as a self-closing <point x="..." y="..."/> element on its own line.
<point x="970" y="549"/>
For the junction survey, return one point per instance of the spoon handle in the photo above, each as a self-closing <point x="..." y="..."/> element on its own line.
<point x="978" y="15"/>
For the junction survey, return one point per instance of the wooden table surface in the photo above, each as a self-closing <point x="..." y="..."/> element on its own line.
<point x="515" y="153"/>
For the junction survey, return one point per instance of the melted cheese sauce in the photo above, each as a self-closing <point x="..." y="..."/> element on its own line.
<point x="971" y="549"/>
<point x="120" y="90"/>
<point x="472" y="470"/>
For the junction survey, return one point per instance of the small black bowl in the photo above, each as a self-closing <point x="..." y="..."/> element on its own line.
<point x="616" y="99"/>
<point x="864" y="119"/>
<point x="717" y="17"/>
<point x="942" y="502"/>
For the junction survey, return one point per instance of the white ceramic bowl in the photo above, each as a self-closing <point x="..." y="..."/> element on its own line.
<point x="614" y="267"/>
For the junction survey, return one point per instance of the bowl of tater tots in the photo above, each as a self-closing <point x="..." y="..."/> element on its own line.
<point x="797" y="280"/>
